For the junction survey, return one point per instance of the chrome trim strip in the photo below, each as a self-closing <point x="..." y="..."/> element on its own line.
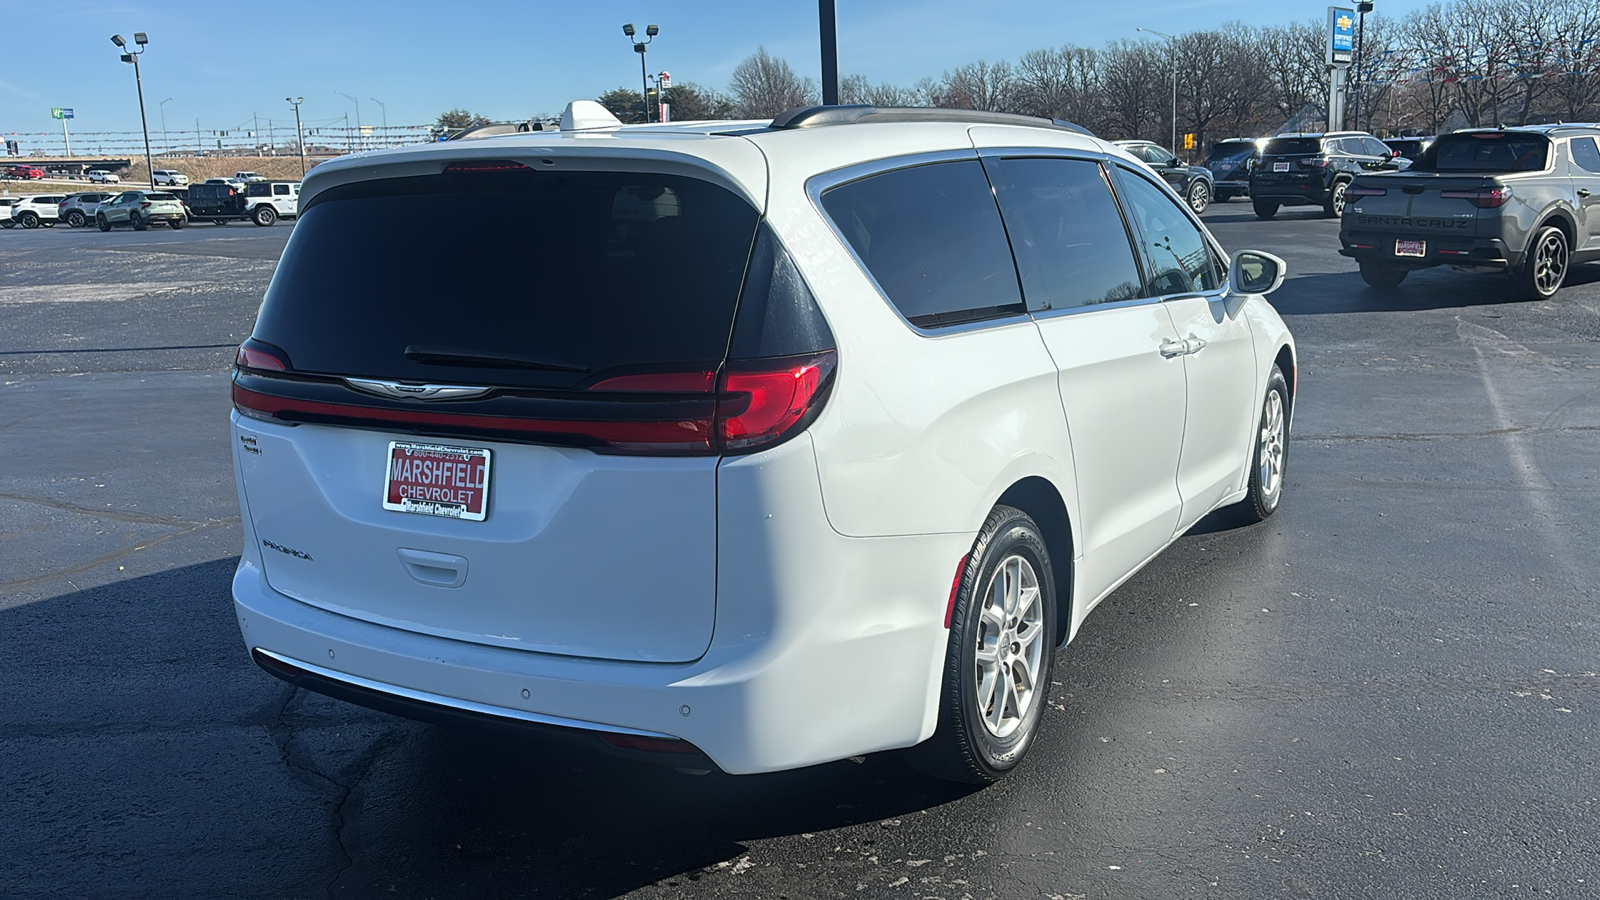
<point x="1047" y="314"/>
<point x="467" y="705"/>
<point x="396" y="390"/>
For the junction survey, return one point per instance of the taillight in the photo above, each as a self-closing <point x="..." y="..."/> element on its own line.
<point x="254" y="354"/>
<point x="762" y="401"/>
<point x="145" y="205"/>
<point x="1488" y="198"/>
<point x="1357" y="191"/>
<point x="1315" y="162"/>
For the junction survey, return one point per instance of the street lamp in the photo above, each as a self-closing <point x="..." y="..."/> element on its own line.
<point x="132" y="56"/>
<point x="358" y="113"/>
<point x="385" y="117"/>
<point x="644" y="77"/>
<point x="166" y="145"/>
<point x="1174" y="42"/>
<point x="1364" y="7"/>
<point x="299" y="133"/>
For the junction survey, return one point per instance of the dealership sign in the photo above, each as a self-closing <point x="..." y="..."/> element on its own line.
<point x="1341" y="35"/>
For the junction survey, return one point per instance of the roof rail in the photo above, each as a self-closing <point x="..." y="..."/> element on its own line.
<point x="863" y="114"/>
<point x="496" y="128"/>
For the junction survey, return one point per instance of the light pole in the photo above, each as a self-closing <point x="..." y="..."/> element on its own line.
<point x="385" y="109"/>
<point x="644" y="76"/>
<point x="132" y="56"/>
<point x="1174" y="42"/>
<point x="299" y="133"/>
<point x="166" y="146"/>
<point x="1364" y="7"/>
<point x="358" y="112"/>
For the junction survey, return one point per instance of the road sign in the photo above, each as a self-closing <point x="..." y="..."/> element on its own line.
<point x="1188" y="140"/>
<point x="60" y="112"/>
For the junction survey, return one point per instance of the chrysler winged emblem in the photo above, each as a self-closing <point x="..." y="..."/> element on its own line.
<point x="396" y="390"/>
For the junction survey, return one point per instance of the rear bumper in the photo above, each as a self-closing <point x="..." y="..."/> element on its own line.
<point x="825" y="647"/>
<point x="1478" y="253"/>
<point x="1289" y="193"/>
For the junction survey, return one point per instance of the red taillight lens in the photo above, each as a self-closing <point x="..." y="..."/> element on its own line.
<point x="1354" y="191"/>
<point x="760" y="401"/>
<point x="145" y="205"/>
<point x="1315" y="162"/>
<point x="484" y="165"/>
<point x="253" y="355"/>
<point x="1488" y="198"/>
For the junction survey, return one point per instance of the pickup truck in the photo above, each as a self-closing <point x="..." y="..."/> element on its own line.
<point x="262" y="202"/>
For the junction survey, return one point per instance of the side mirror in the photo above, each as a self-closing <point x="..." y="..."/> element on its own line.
<point x="1256" y="272"/>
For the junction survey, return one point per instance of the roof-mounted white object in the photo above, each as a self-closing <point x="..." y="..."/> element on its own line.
<point x="584" y="115"/>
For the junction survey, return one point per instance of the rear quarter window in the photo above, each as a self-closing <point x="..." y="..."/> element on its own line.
<point x="931" y="237"/>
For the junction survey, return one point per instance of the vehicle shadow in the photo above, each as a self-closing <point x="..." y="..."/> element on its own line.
<point x="1244" y="214"/>
<point x="1428" y="289"/>
<point x="144" y="748"/>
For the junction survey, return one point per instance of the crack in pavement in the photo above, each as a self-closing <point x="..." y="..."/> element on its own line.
<point x="102" y="560"/>
<point x="1450" y="435"/>
<point x="339" y="786"/>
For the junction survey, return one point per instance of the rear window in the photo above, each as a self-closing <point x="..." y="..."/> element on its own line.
<point x="1490" y="151"/>
<point x="1288" y="146"/>
<point x="159" y="197"/>
<point x="575" y="274"/>
<point x="1229" y="152"/>
<point x="932" y="239"/>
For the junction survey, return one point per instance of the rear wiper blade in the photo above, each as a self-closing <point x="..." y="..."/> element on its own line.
<point x="430" y="354"/>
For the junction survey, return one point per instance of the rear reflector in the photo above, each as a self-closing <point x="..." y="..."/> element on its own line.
<point x="484" y="165"/>
<point x="649" y="744"/>
<point x="1488" y="198"/>
<point x="955" y="588"/>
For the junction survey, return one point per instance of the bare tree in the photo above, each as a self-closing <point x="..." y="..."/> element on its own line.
<point x="763" y="85"/>
<point x="1135" y="78"/>
<point x="979" y="85"/>
<point x="1058" y="84"/>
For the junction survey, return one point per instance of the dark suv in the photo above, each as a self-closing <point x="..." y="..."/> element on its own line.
<point x="1314" y="169"/>
<point x="1230" y="162"/>
<point x="1192" y="183"/>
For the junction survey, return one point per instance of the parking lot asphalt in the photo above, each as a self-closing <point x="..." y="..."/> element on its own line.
<point x="1387" y="690"/>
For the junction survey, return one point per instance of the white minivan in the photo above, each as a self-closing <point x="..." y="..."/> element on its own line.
<point x="751" y="445"/>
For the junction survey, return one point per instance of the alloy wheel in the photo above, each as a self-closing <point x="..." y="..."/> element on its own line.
<point x="1271" y="445"/>
<point x="1550" y="263"/>
<point x="1010" y="646"/>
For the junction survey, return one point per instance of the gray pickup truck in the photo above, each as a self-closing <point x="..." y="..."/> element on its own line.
<point x="1518" y="201"/>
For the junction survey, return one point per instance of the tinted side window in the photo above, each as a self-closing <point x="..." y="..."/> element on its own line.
<point x="1374" y="147"/>
<point x="1586" y="154"/>
<point x="1071" y="246"/>
<point x="931" y="237"/>
<point x="1179" y="257"/>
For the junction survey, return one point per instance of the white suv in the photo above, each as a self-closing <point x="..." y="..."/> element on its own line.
<point x="169" y="177"/>
<point x="754" y="445"/>
<point x="36" y="210"/>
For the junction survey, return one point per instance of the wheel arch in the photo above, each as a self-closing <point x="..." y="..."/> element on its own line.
<point x="1286" y="364"/>
<point x="1038" y="497"/>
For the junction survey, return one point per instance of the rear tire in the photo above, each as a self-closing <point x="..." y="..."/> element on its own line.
<point x="1333" y="207"/>
<point x="138" y="222"/>
<point x="177" y="224"/>
<point x="265" y="215"/>
<point x="1379" y="275"/>
<point x="1545" y="267"/>
<point x="998" y="659"/>
<point x="1269" y="458"/>
<point x="1264" y="209"/>
<point x="29" y="220"/>
<point x="76" y="219"/>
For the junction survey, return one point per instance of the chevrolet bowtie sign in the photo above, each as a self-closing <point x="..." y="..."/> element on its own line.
<point x="1341" y="35"/>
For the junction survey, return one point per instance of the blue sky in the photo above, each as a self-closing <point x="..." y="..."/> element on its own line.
<point x="224" y="62"/>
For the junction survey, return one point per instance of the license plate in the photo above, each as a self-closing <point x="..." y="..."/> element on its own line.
<point x="1280" y="167"/>
<point x="1411" y="248"/>
<point x="435" y="480"/>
